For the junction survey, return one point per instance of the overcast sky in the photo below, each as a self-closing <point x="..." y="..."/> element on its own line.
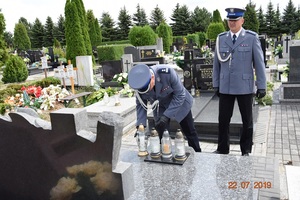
<point x="13" y="10"/>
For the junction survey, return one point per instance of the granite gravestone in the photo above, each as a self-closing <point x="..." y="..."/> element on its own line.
<point x="127" y="62"/>
<point x="204" y="77"/>
<point x="290" y="91"/>
<point x="37" y="160"/>
<point x="111" y="68"/>
<point x="134" y="51"/>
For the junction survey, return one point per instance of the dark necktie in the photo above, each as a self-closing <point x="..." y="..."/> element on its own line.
<point x="234" y="38"/>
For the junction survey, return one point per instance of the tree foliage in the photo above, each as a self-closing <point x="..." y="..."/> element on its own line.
<point x="37" y="33"/>
<point x="3" y="51"/>
<point x="21" y="39"/>
<point x="59" y="30"/>
<point x="200" y="19"/>
<point x="15" y="70"/>
<point x="92" y="28"/>
<point x="165" y="32"/>
<point x="289" y="18"/>
<point x="181" y="20"/>
<point x="124" y="24"/>
<point x="74" y="36"/>
<point x="214" y="29"/>
<point x="141" y="36"/>
<point x="107" y="27"/>
<point x="140" y="18"/>
<point x="251" y="20"/>
<point x="48" y="32"/>
<point x="156" y="17"/>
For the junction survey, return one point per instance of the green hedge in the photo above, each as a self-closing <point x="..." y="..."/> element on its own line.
<point x="111" y="52"/>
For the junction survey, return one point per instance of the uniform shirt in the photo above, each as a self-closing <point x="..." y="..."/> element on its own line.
<point x="175" y="101"/>
<point x="236" y="75"/>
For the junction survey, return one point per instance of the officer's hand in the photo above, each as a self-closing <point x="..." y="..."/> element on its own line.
<point x="260" y="93"/>
<point x="217" y="92"/>
<point x="162" y="123"/>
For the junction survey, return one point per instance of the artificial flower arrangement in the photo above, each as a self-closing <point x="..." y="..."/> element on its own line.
<point x="121" y="78"/>
<point x="90" y="179"/>
<point x="37" y="98"/>
<point x="127" y="91"/>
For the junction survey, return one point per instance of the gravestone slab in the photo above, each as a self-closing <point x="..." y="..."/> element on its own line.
<point x="37" y="163"/>
<point x="204" y="176"/>
<point x="111" y="68"/>
<point x="127" y="62"/>
<point x="294" y="75"/>
<point x="134" y="51"/>
<point x="85" y="76"/>
<point x="160" y="46"/>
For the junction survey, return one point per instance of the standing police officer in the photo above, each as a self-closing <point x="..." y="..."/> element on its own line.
<point x="238" y="56"/>
<point x="162" y="88"/>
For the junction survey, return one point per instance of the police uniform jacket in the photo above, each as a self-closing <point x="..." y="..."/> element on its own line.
<point x="175" y="101"/>
<point x="236" y="75"/>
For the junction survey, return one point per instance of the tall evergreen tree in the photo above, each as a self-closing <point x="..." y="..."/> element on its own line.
<point x="91" y="26"/>
<point x="181" y="19"/>
<point x="140" y="18"/>
<point x="107" y="27"/>
<point x="270" y="20"/>
<point x="288" y="19"/>
<point x="21" y="39"/>
<point x="74" y="36"/>
<point x="262" y="21"/>
<point x="8" y="38"/>
<point x="59" y="30"/>
<point x="37" y="34"/>
<point x="83" y="23"/>
<point x="278" y="27"/>
<point x="124" y="24"/>
<point x="27" y="25"/>
<point x="48" y="33"/>
<point x="217" y="17"/>
<point x="165" y="32"/>
<point x="156" y="17"/>
<point x="200" y="19"/>
<point x="251" y="21"/>
<point x="3" y="51"/>
<point x="98" y="31"/>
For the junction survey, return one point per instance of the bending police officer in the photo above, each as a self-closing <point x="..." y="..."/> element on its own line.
<point x="162" y="88"/>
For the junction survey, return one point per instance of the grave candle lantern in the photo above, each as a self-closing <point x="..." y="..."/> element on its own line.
<point x="142" y="141"/>
<point x="154" y="144"/>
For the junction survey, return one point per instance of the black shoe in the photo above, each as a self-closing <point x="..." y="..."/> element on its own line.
<point x="220" y="152"/>
<point x="245" y="154"/>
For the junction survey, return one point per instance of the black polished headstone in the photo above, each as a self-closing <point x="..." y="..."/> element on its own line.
<point x="111" y="68"/>
<point x="294" y="75"/>
<point x="204" y="77"/>
<point x="147" y="53"/>
<point x="33" y="159"/>
<point x="134" y="51"/>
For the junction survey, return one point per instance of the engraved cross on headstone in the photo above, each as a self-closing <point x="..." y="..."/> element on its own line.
<point x="127" y="63"/>
<point x="287" y="44"/>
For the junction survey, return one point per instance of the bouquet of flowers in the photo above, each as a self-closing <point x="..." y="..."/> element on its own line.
<point x="121" y="78"/>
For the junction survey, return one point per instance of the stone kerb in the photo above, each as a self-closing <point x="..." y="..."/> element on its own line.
<point x="125" y="110"/>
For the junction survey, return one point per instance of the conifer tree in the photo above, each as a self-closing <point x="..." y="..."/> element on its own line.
<point x="164" y="31"/>
<point x="21" y="39"/>
<point x="83" y="23"/>
<point x="74" y="37"/>
<point x="37" y="34"/>
<point x="157" y="17"/>
<point x="48" y="32"/>
<point x="3" y="51"/>
<point x="124" y="24"/>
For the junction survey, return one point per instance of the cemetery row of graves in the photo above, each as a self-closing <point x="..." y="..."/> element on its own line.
<point x="193" y="63"/>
